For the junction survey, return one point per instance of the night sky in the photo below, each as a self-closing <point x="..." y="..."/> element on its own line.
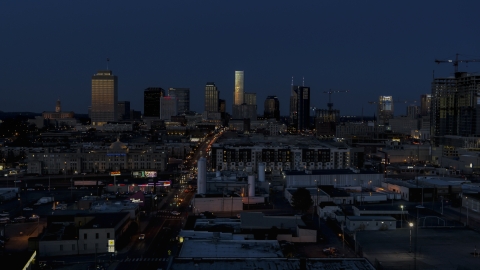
<point x="50" y="49"/>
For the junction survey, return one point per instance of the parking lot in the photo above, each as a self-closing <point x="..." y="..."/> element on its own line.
<point x="437" y="248"/>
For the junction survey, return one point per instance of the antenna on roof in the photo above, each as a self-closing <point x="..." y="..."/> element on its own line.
<point x="108" y="60"/>
<point x="292" y="80"/>
<point x="303" y="81"/>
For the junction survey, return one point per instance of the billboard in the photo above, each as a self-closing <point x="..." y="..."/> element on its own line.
<point x="150" y="174"/>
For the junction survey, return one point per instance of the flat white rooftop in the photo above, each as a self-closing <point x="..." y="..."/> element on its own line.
<point x="230" y="249"/>
<point x="272" y="263"/>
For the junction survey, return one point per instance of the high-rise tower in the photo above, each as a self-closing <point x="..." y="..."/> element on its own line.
<point x="300" y="107"/>
<point x="454" y="106"/>
<point x="238" y="94"/>
<point x="272" y="107"/>
<point x="425" y="104"/>
<point x="104" y="97"/>
<point x="385" y="109"/>
<point x="58" y="106"/>
<point x="151" y="101"/>
<point x="211" y="97"/>
<point x="183" y="98"/>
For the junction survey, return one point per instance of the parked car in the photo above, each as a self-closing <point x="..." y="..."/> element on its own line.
<point x="141" y="236"/>
<point x="330" y="251"/>
<point x="27" y="209"/>
<point x="175" y="213"/>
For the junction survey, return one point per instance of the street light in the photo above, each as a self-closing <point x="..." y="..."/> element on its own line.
<point x="416" y="238"/>
<point x="466" y="198"/>
<point x="410" y="248"/>
<point x="401" y="217"/>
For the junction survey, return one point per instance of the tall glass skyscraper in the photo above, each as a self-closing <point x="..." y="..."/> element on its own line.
<point x="238" y="94"/>
<point x="151" y="101"/>
<point x="211" y="97"/>
<point x="104" y="97"/>
<point x="272" y="107"/>
<point x="183" y="98"/>
<point x="300" y="107"/>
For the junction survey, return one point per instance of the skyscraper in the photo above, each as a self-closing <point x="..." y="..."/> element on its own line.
<point x="425" y="104"/>
<point x="151" y="101"/>
<point x="211" y="97"/>
<point x="168" y="107"/>
<point x="238" y="94"/>
<point x="104" y="97"/>
<point x="272" y="107"/>
<point x="123" y="110"/>
<point x="300" y="107"/>
<point x="183" y="98"/>
<point x="385" y="109"/>
<point x="454" y="106"/>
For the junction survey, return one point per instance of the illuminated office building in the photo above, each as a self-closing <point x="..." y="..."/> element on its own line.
<point x="211" y="97"/>
<point x="104" y="97"/>
<point x="238" y="94"/>
<point x="385" y="109"/>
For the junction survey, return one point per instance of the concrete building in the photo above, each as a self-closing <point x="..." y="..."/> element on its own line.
<point x="336" y="178"/>
<point x="370" y="223"/>
<point x="104" y="97"/>
<point x="80" y="234"/>
<point x="280" y="153"/>
<point x="118" y="156"/>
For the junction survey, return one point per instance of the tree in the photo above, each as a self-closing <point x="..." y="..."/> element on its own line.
<point x="301" y="200"/>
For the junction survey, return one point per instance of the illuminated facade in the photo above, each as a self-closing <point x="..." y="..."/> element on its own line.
<point x="250" y="98"/>
<point x="58" y="114"/>
<point x="211" y="97"/>
<point x="238" y="94"/>
<point x="385" y="109"/>
<point x="104" y="97"/>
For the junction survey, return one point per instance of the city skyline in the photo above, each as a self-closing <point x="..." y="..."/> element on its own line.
<point x="335" y="46"/>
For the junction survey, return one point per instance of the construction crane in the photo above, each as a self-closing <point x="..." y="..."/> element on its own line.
<point x="330" y="92"/>
<point x="456" y="61"/>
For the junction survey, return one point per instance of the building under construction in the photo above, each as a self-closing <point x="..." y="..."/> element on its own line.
<point x="455" y="106"/>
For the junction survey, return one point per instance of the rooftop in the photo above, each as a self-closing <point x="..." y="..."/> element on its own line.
<point x="270" y="263"/>
<point x="230" y="249"/>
